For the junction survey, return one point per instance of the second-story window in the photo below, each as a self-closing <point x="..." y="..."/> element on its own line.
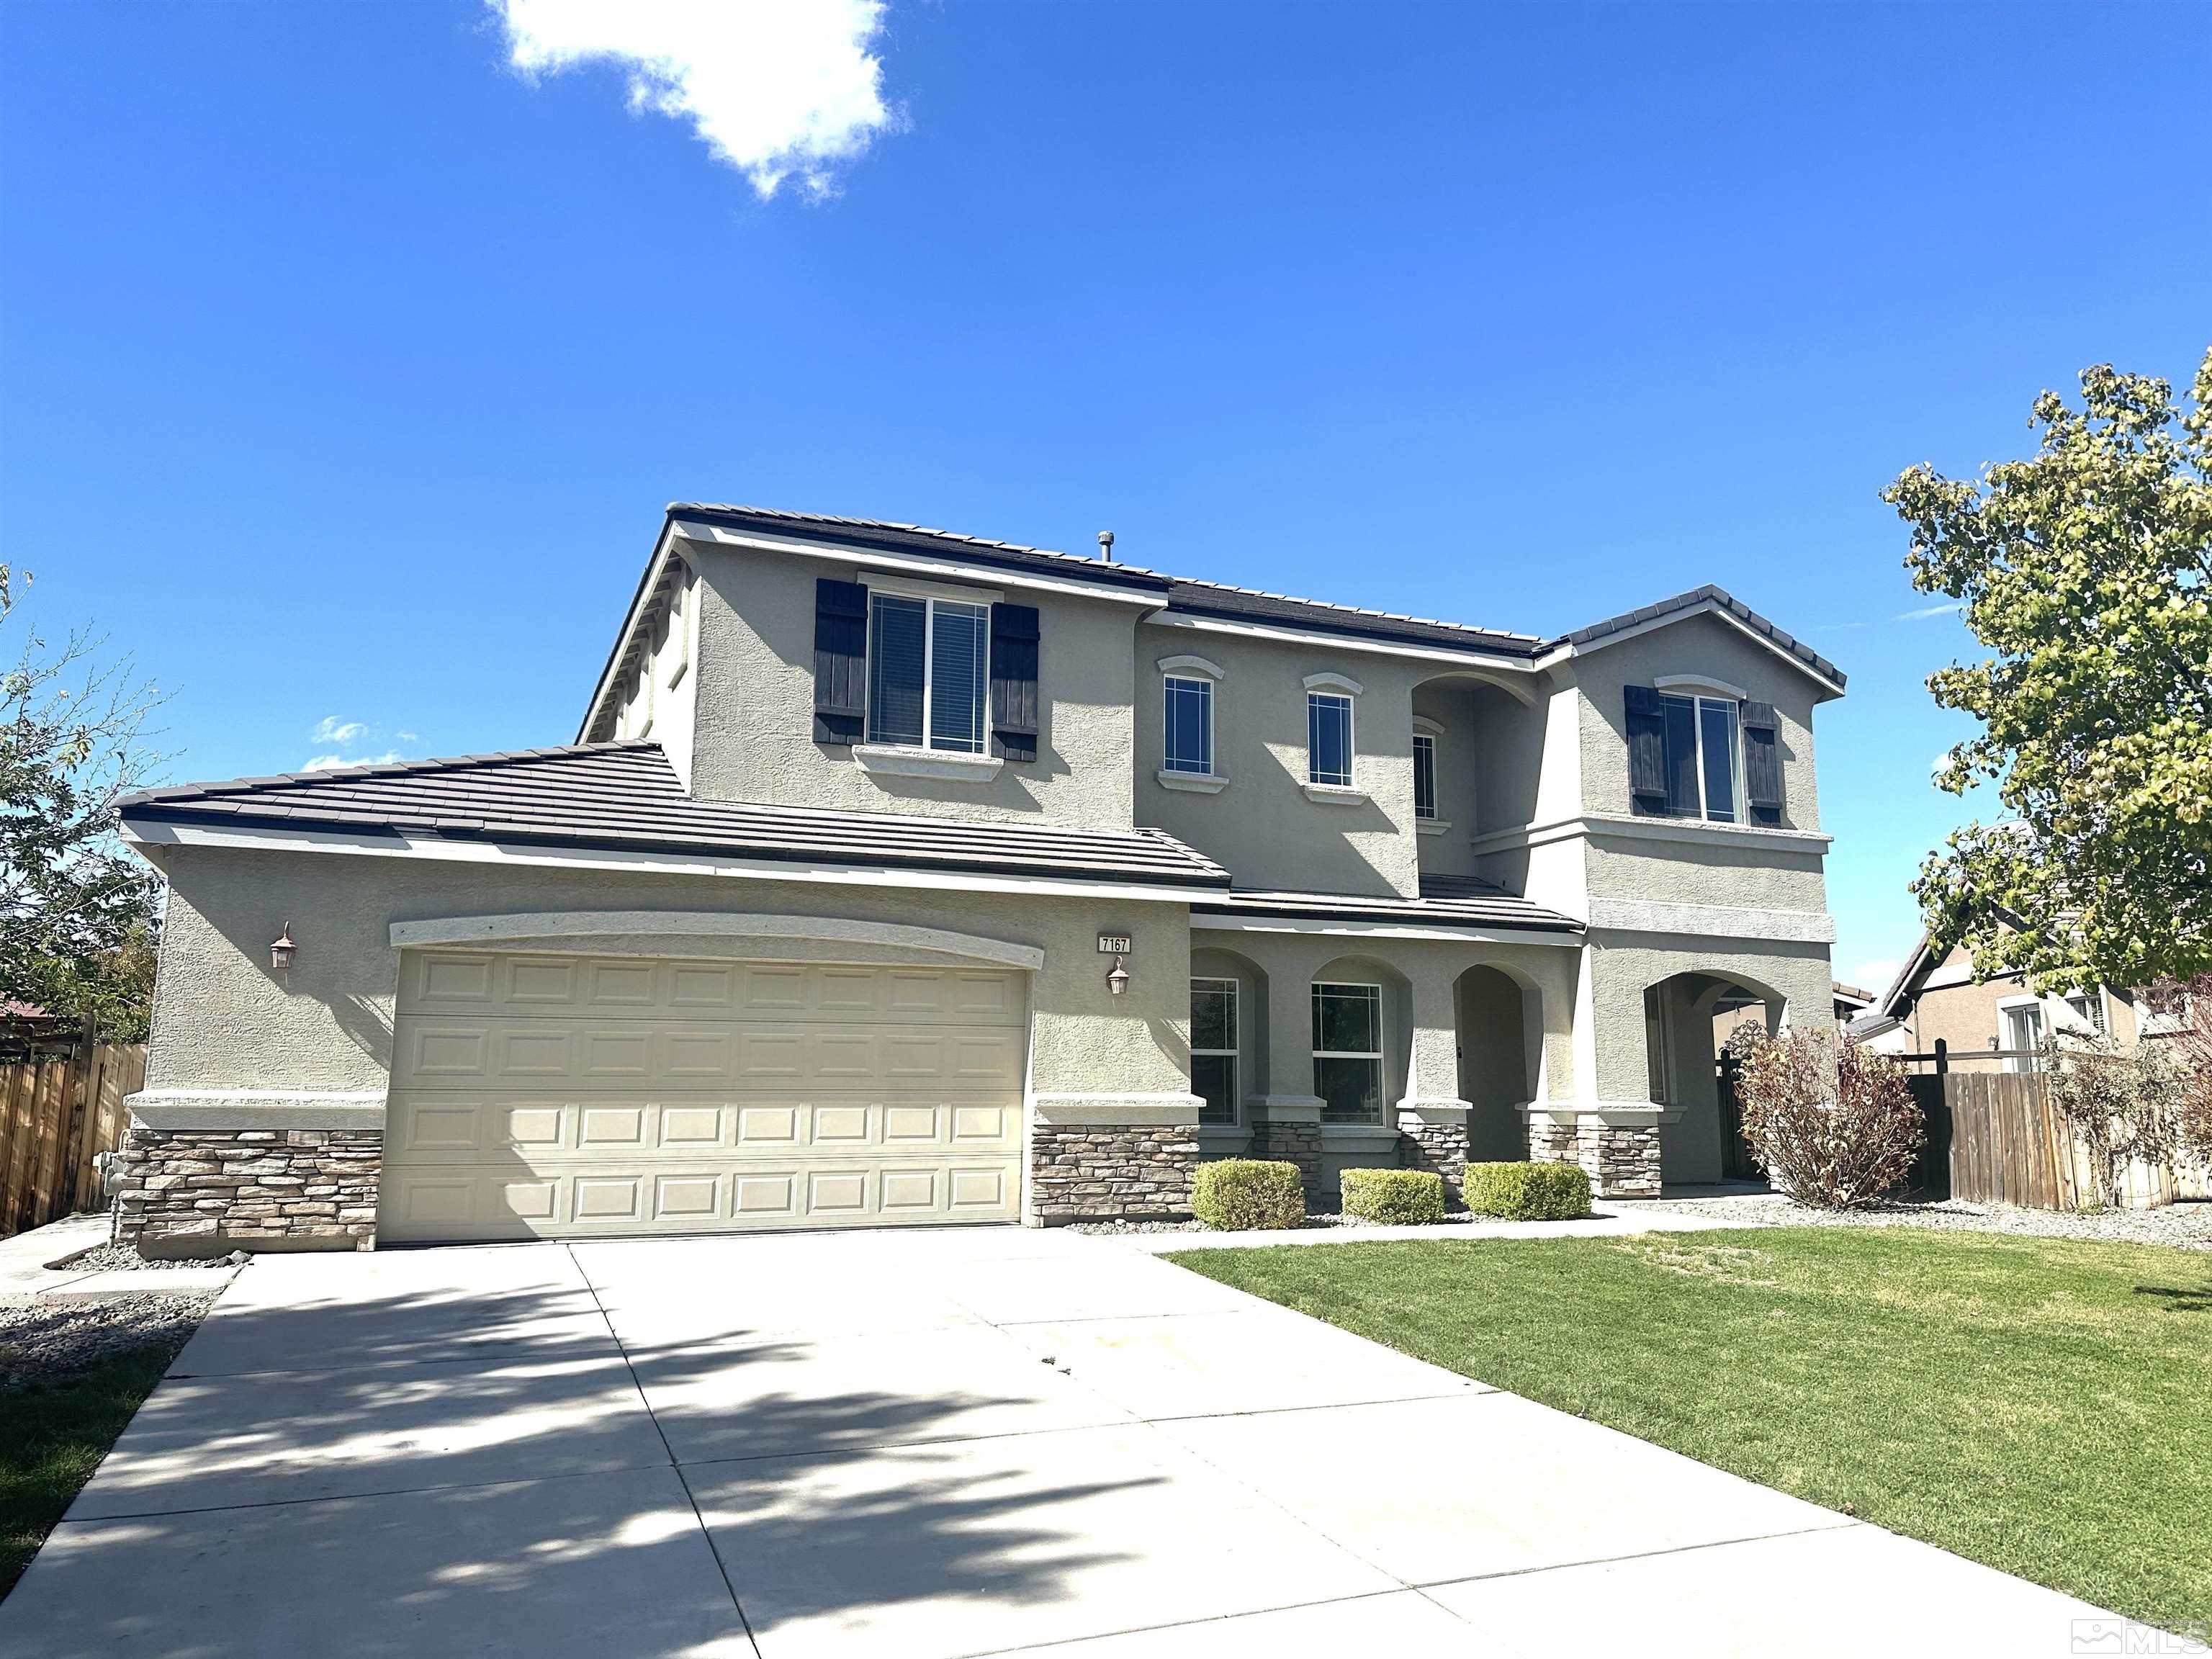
<point x="1425" y="776"/>
<point x="1329" y="739"/>
<point x="1703" y="767"/>
<point x="928" y="660"/>
<point x="1189" y="721"/>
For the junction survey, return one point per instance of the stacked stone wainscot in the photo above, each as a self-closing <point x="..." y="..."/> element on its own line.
<point x="1621" y="1159"/>
<point x="205" y="1192"/>
<point x="1105" y="1171"/>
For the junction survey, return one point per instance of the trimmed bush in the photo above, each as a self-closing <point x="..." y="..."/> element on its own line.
<point x="1246" y="1194"/>
<point x="1528" y="1192"/>
<point x="1394" y="1198"/>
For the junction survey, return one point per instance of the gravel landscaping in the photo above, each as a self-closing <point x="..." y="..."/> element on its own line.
<point x="121" y="1258"/>
<point x="2185" y="1226"/>
<point x="49" y="1342"/>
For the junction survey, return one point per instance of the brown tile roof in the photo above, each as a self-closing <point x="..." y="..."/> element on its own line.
<point x="1446" y="901"/>
<point x="626" y="797"/>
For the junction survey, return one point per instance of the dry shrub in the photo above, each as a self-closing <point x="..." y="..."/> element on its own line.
<point x="2122" y="1106"/>
<point x="1832" y="1127"/>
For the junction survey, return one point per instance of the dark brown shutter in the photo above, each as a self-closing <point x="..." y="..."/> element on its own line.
<point x="1647" y="748"/>
<point x="841" y="660"/>
<point x="1014" y="681"/>
<point x="1762" y="762"/>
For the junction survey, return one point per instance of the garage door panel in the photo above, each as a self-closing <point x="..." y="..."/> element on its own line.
<point x="546" y="1097"/>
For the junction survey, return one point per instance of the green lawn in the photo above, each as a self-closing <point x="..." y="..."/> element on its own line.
<point x="52" y="1437"/>
<point x="2044" y="1406"/>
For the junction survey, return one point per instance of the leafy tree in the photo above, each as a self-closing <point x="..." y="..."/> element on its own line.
<point x="79" y="920"/>
<point x="2084" y="570"/>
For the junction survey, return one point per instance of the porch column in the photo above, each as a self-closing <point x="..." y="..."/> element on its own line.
<point x="1431" y="1116"/>
<point x="1286" y="1120"/>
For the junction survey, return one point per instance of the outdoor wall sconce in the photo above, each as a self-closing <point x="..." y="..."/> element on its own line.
<point x="282" y="950"/>
<point x="1117" y="945"/>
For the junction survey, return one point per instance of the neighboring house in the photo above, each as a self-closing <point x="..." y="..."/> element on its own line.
<point x="1936" y="999"/>
<point x="902" y="876"/>
<point x="1742" y="1007"/>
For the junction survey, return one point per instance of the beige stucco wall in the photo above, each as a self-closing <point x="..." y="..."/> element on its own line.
<point x="1749" y="869"/>
<point x="1697" y="645"/>
<point x="755" y="730"/>
<point x="1262" y="826"/>
<point x="660" y="701"/>
<point x="222" y="1020"/>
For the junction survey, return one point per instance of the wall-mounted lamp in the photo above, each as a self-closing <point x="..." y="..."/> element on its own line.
<point x="282" y="950"/>
<point x="1118" y="979"/>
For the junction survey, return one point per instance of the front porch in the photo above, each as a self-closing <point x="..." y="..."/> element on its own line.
<point x="1340" y="1050"/>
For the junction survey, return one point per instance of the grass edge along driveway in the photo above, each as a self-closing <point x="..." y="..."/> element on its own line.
<point x="2037" y="1405"/>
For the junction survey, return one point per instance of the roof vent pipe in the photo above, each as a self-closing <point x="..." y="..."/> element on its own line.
<point x="1106" y="545"/>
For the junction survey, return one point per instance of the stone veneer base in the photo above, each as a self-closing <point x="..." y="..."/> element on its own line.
<point x="1622" y="1160"/>
<point x="1109" y="1171"/>
<point x="1293" y="1142"/>
<point x="1439" y="1148"/>
<point x="207" y="1192"/>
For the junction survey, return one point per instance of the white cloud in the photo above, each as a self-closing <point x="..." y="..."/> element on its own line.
<point x="1949" y="608"/>
<point x="331" y="729"/>
<point x="778" y="90"/>
<point x="1874" y="975"/>
<point x="325" y="763"/>
<point x="1939" y="762"/>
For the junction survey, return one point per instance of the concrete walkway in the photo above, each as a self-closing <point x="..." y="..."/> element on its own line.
<point x="27" y="1270"/>
<point x="915" y="1444"/>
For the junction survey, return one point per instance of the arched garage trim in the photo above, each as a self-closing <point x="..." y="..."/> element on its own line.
<point x="584" y="926"/>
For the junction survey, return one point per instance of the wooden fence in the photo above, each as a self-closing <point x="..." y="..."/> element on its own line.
<point x="2008" y="1146"/>
<point x="58" y="1112"/>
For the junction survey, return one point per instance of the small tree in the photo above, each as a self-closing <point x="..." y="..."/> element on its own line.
<point x="78" y="913"/>
<point x="2117" y="1103"/>
<point x="1832" y="1127"/>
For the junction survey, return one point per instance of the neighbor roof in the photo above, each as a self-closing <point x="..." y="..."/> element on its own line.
<point x="626" y="797"/>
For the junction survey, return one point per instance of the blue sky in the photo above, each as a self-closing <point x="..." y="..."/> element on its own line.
<point x="346" y="369"/>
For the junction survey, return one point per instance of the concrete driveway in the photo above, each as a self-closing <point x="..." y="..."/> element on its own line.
<point x="914" y="1444"/>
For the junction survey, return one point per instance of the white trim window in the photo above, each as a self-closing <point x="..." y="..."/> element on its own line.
<point x="1348" y="1052"/>
<point x="1186" y="721"/>
<point x="2024" y="1028"/>
<point x="1328" y="739"/>
<point x="928" y="667"/>
<point x="1425" y="776"/>
<point x="1213" y="1048"/>
<point x="2087" y="1009"/>
<point x="1704" y="758"/>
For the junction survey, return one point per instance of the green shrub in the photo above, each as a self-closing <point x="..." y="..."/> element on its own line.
<point x="1394" y="1198"/>
<point x="1243" y="1195"/>
<point x="1528" y="1192"/>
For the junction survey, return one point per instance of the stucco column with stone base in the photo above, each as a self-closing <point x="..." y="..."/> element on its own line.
<point x="1617" y="1146"/>
<point x="1433" y="1137"/>
<point x="1286" y="1129"/>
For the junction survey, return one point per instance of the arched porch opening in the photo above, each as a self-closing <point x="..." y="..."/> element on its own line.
<point x="1687" y="1018"/>
<point x="1500" y="1019"/>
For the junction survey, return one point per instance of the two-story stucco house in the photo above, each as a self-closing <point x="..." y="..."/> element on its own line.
<point x="900" y="877"/>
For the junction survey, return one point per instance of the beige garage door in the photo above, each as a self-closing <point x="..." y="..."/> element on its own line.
<point x="544" y="1096"/>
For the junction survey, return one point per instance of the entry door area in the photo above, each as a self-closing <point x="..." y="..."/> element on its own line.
<point x="550" y="1096"/>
